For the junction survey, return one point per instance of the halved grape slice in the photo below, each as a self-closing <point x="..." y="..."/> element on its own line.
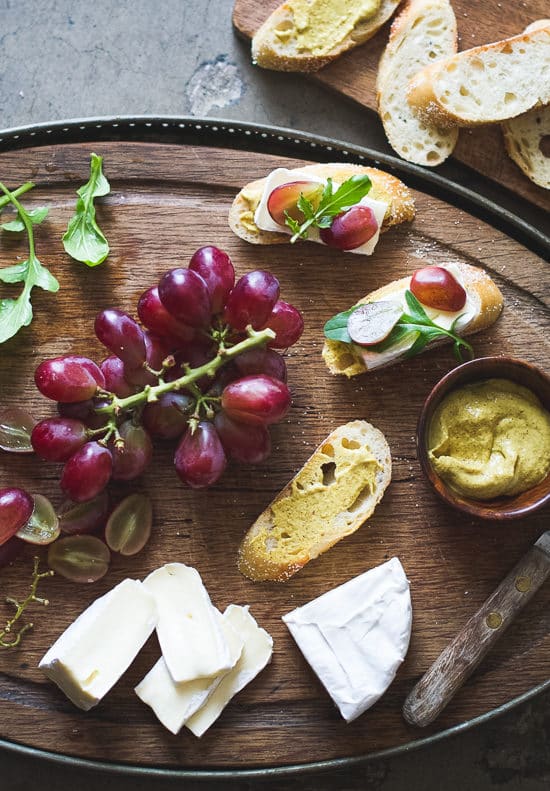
<point x="372" y="323"/>
<point x="16" y="425"/>
<point x="79" y="558"/>
<point x="43" y="525"/>
<point x="129" y="526"/>
<point x="75" y="518"/>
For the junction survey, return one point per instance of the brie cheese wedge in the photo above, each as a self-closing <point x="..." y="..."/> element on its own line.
<point x="192" y="642"/>
<point x="279" y="176"/>
<point x="174" y="703"/>
<point x="256" y="653"/>
<point x="96" y="649"/>
<point x="356" y="636"/>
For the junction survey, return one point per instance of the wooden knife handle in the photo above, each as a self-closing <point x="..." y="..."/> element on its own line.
<point x="461" y="657"/>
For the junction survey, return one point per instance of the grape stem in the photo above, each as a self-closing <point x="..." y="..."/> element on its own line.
<point x="8" y="638"/>
<point x="192" y="375"/>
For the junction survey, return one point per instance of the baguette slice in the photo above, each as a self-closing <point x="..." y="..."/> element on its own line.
<point x="424" y="31"/>
<point x="276" y="44"/>
<point x="486" y="84"/>
<point x="527" y="137"/>
<point x="350" y="360"/>
<point x="336" y="490"/>
<point x="385" y="187"/>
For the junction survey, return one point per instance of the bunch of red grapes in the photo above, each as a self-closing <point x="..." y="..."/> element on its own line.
<point x="202" y="369"/>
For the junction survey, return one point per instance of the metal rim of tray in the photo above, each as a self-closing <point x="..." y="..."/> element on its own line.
<point x="285" y="142"/>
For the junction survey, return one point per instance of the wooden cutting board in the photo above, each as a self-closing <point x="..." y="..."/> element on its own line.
<point x="354" y="75"/>
<point x="166" y="201"/>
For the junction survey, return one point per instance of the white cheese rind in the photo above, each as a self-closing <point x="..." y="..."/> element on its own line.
<point x="356" y="636"/>
<point x="443" y="318"/>
<point x="99" y="646"/>
<point x="256" y="653"/>
<point x="279" y="176"/>
<point x="174" y="703"/>
<point x="192" y="642"/>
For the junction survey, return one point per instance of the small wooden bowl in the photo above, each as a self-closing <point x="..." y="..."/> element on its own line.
<point x="518" y="371"/>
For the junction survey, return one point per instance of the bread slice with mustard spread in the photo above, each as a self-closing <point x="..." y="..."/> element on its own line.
<point x="385" y="188"/>
<point x="304" y="35"/>
<point x="423" y="32"/>
<point x="486" y="84"/>
<point x="482" y="309"/>
<point x="336" y="490"/>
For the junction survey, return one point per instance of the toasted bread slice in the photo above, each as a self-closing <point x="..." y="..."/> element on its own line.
<point x="278" y="44"/>
<point x="486" y="299"/>
<point x="486" y="84"/>
<point x="423" y="32"/>
<point x="527" y="137"/>
<point x="336" y="490"/>
<point x="385" y="187"/>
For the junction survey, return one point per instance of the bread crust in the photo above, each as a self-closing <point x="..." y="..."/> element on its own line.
<point x="385" y="187"/>
<point x="269" y="53"/>
<point x="263" y="554"/>
<point x="426" y="98"/>
<point x="343" y="358"/>
<point x="424" y="29"/>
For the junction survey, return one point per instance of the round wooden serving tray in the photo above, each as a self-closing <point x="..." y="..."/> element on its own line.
<point x="172" y="185"/>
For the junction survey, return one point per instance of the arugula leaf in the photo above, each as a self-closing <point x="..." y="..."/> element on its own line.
<point x="36" y="216"/>
<point x="83" y="240"/>
<point x="17" y="313"/>
<point x="332" y="203"/>
<point x="416" y="322"/>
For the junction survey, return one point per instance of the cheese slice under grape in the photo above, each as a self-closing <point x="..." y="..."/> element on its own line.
<point x="356" y="636"/>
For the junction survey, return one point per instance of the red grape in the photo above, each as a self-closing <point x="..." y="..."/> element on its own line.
<point x="436" y="287"/>
<point x="10" y="550"/>
<point x="167" y="417"/>
<point x="243" y="442"/>
<point x="69" y="378"/>
<point x="157" y="352"/>
<point x="121" y="335"/>
<point x="256" y="399"/>
<point x="132" y="459"/>
<point x="84" y="517"/>
<point x="57" y="438"/>
<point x="113" y="371"/>
<point x="217" y="271"/>
<point x="185" y="295"/>
<point x="260" y="360"/>
<point x="85" y="411"/>
<point x="350" y="229"/>
<point x="200" y="459"/>
<point x="87" y="472"/>
<point x="16" y="507"/>
<point x="284" y="198"/>
<point x="252" y="300"/>
<point x="154" y="315"/>
<point x="287" y="324"/>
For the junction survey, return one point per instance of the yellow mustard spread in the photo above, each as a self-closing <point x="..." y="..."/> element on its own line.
<point x="330" y="485"/>
<point x="320" y="25"/>
<point x="489" y="439"/>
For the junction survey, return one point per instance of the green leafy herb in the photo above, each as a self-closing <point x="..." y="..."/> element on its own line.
<point x="416" y="322"/>
<point x="332" y="203"/>
<point x="17" y="313"/>
<point x="83" y="240"/>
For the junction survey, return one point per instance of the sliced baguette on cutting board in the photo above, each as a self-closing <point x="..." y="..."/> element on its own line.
<point x="486" y="84"/>
<point x="385" y="187"/>
<point x="276" y="45"/>
<point x="274" y="549"/>
<point x="423" y="32"/>
<point x="527" y="137"/>
<point x="346" y="358"/>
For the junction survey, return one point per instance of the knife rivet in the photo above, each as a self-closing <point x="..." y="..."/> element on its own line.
<point x="494" y="620"/>
<point x="523" y="583"/>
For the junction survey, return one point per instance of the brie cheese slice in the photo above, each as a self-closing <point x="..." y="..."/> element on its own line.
<point x="256" y="653"/>
<point x="356" y="636"/>
<point x="174" y="703"/>
<point x="192" y="642"/>
<point x="96" y="649"/>
<point x="279" y="176"/>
